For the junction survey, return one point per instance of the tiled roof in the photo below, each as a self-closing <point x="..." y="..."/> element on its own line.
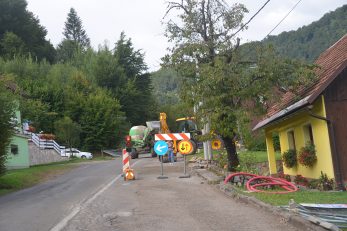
<point x="331" y="63"/>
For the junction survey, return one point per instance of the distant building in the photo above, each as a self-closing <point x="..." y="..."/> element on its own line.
<point x="318" y="116"/>
<point x="18" y="150"/>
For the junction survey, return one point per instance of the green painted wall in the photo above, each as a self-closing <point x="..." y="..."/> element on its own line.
<point x="21" y="159"/>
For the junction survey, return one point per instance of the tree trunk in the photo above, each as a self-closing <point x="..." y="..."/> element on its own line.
<point x="233" y="160"/>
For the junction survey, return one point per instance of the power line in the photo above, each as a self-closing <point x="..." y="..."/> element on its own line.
<point x="250" y="18"/>
<point x="283" y="18"/>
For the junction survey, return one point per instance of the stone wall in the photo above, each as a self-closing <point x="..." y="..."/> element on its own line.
<point x="43" y="156"/>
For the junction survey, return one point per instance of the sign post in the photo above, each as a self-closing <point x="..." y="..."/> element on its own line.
<point x="161" y="148"/>
<point x="185" y="147"/>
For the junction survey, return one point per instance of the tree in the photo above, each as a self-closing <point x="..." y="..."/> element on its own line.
<point x="108" y="72"/>
<point x="68" y="131"/>
<point x="101" y="120"/>
<point x="12" y="45"/>
<point x="7" y="109"/>
<point x="66" y="51"/>
<point x="16" y="19"/>
<point x="74" y="31"/>
<point x="76" y="40"/>
<point x="122" y="72"/>
<point x="130" y="59"/>
<point x="136" y="93"/>
<point x="217" y="81"/>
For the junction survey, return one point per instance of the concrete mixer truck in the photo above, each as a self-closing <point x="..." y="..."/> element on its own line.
<point x="141" y="139"/>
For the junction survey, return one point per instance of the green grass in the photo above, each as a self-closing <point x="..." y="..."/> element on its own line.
<point x="301" y="196"/>
<point x="14" y="180"/>
<point x="256" y="156"/>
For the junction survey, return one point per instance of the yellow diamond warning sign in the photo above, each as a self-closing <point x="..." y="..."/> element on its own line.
<point x="185" y="147"/>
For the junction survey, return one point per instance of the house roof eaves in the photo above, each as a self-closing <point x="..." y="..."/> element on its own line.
<point x="319" y="91"/>
<point x="288" y="110"/>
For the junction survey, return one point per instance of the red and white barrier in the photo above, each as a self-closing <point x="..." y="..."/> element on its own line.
<point x="173" y="136"/>
<point x="126" y="160"/>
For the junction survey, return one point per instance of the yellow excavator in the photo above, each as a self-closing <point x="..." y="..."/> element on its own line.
<point x="185" y="125"/>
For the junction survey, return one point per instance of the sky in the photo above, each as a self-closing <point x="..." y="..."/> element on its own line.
<point x="141" y="20"/>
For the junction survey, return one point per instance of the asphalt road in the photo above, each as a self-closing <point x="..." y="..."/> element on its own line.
<point x="43" y="206"/>
<point x="95" y="197"/>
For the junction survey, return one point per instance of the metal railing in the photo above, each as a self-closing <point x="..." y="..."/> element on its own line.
<point x="47" y="144"/>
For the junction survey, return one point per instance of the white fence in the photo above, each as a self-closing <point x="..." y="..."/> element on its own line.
<point x="47" y="144"/>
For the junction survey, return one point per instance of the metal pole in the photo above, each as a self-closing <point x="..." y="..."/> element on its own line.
<point x="204" y="132"/>
<point x="209" y="147"/>
<point x="185" y="168"/>
<point x="161" y="169"/>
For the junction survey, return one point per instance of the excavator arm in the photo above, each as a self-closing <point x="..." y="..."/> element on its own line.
<point x="164" y="128"/>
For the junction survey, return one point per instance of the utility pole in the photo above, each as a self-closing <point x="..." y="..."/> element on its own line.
<point x="207" y="144"/>
<point x="207" y="126"/>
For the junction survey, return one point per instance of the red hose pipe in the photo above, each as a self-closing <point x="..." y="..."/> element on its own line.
<point x="269" y="181"/>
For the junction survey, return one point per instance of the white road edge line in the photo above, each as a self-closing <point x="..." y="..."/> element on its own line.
<point x="78" y="208"/>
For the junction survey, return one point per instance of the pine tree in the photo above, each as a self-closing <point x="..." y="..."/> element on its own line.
<point x="74" y="30"/>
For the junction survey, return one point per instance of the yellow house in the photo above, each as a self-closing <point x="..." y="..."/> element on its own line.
<point x="318" y="116"/>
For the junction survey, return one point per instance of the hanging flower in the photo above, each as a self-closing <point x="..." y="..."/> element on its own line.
<point x="307" y="155"/>
<point x="289" y="158"/>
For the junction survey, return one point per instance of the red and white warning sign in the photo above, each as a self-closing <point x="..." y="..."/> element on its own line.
<point x="126" y="158"/>
<point x="173" y="136"/>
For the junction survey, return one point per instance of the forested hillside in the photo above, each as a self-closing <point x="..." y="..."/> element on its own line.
<point x="311" y="40"/>
<point x="99" y="93"/>
<point x="308" y="41"/>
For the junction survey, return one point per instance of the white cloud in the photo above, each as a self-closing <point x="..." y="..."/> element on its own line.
<point x="141" y="20"/>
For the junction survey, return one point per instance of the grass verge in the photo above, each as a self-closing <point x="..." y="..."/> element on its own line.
<point x="301" y="196"/>
<point x="18" y="179"/>
<point x="256" y="156"/>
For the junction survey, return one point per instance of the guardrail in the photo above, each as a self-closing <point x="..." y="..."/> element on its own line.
<point x="47" y="144"/>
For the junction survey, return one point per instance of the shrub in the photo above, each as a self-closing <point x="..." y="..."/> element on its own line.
<point x="47" y="136"/>
<point x="314" y="184"/>
<point x="325" y="183"/>
<point x="300" y="180"/>
<point x="284" y="176"/>
<point x="307" y="155"/>
<point x="289" y="158"/>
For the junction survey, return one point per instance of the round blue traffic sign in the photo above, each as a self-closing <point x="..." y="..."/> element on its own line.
<point x="161" y="147"/>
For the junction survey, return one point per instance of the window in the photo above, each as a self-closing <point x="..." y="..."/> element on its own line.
<point x="14" y="149"/>
<point x="308" y="134"/>
<point x="291" y="140"/>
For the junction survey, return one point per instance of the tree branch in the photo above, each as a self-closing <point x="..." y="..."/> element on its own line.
<point x="175" y="5"/>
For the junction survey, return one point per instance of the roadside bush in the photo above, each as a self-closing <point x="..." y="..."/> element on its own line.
<point x="47" y="136"/>
<point x="7" y="109"/>
<point x="300" y="180"/>
<point x="325" y="183"/>
<point x="313" y="184"/>
<point x="221" y="159"/>
<point x="289" y="158"/>
<point x="284" y="176"/>
<point x="247" y="164"/>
